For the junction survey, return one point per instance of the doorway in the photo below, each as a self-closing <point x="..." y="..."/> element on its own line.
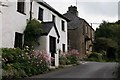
<point x="52" y="49"/>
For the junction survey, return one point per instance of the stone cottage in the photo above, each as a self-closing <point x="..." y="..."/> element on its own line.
<point x="80" y="33"/>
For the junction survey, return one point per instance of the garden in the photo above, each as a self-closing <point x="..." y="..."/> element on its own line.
<point x="17" y="63"/>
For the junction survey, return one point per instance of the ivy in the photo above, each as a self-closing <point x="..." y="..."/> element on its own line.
<point x="32" y="33"/>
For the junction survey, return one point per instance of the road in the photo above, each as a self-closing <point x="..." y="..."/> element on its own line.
<point x="85" y="70"/>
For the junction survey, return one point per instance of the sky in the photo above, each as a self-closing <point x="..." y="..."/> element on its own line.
<point x="93" y="11"/>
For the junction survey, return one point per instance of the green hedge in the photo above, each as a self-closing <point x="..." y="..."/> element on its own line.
<point x="17" y="63"/>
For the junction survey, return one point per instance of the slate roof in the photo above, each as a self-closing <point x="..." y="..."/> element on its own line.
<point x="47" y="26"/>
<point x="75" y="21"/>
<point x="41" y="2"/>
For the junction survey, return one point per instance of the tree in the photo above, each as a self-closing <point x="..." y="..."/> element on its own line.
<point x="32" y="33"/>
<point x="108" y="38"/>
<point x="107" y="45"/>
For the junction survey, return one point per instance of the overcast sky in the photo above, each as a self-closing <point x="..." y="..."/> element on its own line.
<point x="93" y="11"/>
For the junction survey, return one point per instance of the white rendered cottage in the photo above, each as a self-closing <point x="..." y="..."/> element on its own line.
<point x="0" y="25"/>
<point x="14" y="20"/>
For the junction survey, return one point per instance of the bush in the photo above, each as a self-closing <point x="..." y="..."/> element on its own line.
<point x="95" y="57"/>
<point x="32" y="33"/>
<point x="17" y="63"/>
<point x="70" y="57"/>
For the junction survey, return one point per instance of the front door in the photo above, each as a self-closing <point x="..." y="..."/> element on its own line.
<point x="53" y="49"/>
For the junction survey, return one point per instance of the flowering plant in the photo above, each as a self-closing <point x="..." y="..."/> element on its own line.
<point x="70" y="57"/>
<point x="24" y="62"/>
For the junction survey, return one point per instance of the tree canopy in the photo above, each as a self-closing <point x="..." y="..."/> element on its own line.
<point x="108" y="38"/>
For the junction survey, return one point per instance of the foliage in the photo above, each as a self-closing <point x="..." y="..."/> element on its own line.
<point x="111" y="41"/>
<point x="70" y="57"/>
<point x="108" y="45"/>
<point x="108" y="39"/>
<point x="105" y="43"/>
<point x="18" y="63"/>
<point x="95" y="57"/>
<point x="32" y="33"/>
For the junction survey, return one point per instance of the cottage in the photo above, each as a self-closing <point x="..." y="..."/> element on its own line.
<point x="14" y="20"/>
<point x="0" y="25"/>
<point x="119" y="10"/>
<point x="80" y="33"/>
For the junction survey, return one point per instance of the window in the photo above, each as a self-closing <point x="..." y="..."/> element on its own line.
<point x="63" y="25"/>
<point x="53" y="18"/>
<point x="84" y="29"/>
<point x="18" y="40"/>
<point x="21" y="6"/>
<point x="63" y="47"/>
<point x="40" y="14"/>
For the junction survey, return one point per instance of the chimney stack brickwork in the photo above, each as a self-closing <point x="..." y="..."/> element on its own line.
<point x="73" y="10"/>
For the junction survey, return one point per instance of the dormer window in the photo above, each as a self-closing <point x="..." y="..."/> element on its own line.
<point x="21" y="6"/>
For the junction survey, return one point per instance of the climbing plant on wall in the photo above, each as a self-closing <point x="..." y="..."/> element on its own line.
<point x="32" y="33"/>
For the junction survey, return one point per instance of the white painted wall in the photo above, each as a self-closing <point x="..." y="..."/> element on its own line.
<point x="46" y="12"/>
<point x="44" y="44"/>
<point x="0" y="26"/>
<point x="63" y="34"/>
<point x="48" y="17"/>
<point x="13" y="21"/>
<point x="119" y="10"/>
<point x="53" y="33"/>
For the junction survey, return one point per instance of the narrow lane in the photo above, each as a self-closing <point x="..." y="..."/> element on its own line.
<point x="87" y="70"/>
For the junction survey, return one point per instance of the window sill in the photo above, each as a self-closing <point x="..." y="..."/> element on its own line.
<point x="63" y="30"/>
<point x="40" y="20"/>
<point x="21" y="12"/>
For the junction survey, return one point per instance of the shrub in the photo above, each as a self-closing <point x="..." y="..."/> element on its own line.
<point x="70" y="57"/>
<point x="32" y="33"/>
<point x="95" y="57"/>
<point x="17" y="63"/>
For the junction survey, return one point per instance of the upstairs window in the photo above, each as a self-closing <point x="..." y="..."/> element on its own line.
<point x="40" y="14"/>
<point x="53" y="18"/>
<point x="63" y="25"/>
<point x="18" y="40"/>
<point x="86" y="30"/>
<point x="21" y="6"/>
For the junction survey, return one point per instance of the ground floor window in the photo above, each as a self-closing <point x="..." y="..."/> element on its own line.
<point x="18" y="40"/>
<point x="63" y="47"/>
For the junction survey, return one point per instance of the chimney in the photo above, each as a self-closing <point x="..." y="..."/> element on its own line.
<point x="73" y="10"/>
